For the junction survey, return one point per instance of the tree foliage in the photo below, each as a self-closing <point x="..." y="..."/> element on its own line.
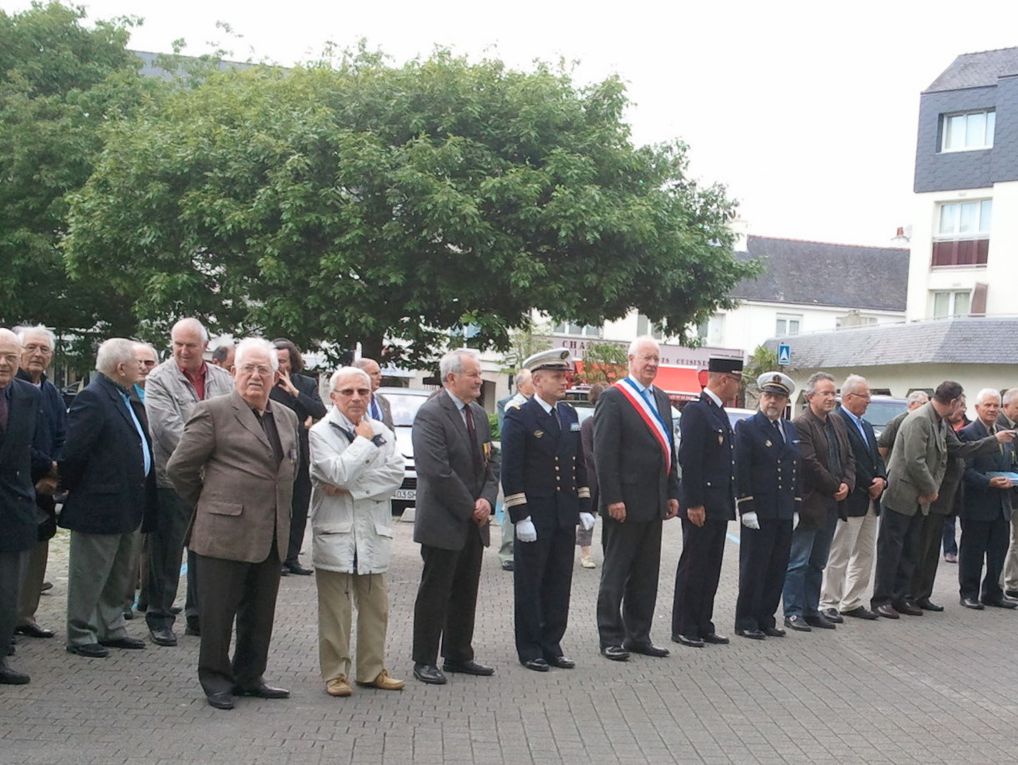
<point x="603" y="363"/>
<point x="357" y="200"/>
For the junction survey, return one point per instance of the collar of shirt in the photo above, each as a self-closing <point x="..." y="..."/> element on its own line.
<point x="519" y="398"/>
<point x="641" y="387"/>
<point x="456" y="400"/>
<point x="199" y="375"/>
<point x="713" y="396"/>
<point x="856" y="420"/>
<point x="544" y="404"/>
<point x="341" y="419"/>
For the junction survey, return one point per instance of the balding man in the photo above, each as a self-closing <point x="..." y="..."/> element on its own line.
<point x="378" y="408"/>
<point x="223" y="354"/>
<point x="172" y="390"/>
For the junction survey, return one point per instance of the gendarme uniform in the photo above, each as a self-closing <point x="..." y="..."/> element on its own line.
<point x="544" y="478"/>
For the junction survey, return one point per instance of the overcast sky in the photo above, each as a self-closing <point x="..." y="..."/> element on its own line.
<point x="805" y="110"/>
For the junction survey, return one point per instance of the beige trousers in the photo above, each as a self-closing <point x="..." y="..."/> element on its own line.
<point x="337" y="595"/>
<point x="1011" y="563"/>
<point x="850" y="563"/>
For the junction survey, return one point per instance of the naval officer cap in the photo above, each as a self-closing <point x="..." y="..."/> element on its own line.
<point x="775" y="382"/>
<point x="557" y="360"/>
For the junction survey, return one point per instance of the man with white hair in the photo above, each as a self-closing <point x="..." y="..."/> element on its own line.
<point x="235" y="464"/>
<point x="1008" y="420"/>
<point x="638" y="488"/>
<point x="355" y="468"/>
<point x="107" y="470"/>
<point x="456" y="490"/>
<point x="172" y="390"/>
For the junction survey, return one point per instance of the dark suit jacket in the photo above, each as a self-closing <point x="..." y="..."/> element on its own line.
<point x="447" y="482"/>
<point x="707" y="457"/>
<point x="21" y="465"/>
<point x="628" y="458"/>
<point x="587" y="444"/>
<point x="307" y="403"/>
<point x="868" y="465"/>
<point x="768" y="470"/>
<point x="819" y="482"/>
<point x="103" y="466"/>
<point x="983" y="502"/>
<point x="50" y="437"/>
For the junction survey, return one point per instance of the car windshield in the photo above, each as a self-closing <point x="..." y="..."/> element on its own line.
<point x="404" y="407"/>
<point x="879" y="413"/>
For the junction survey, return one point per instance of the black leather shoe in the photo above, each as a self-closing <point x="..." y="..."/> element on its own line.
<point x="562" y="662"/>
<point x="646" y="649"/>
<point x="908" y="608"/>
<point x="467" y="668"/>
<point x="163" y="636"/>
<point x="716" y="639"/>
<point x="861" y="613"/>
<point x="887" y="611"/>
<point x="797" y="623"/>
<point x="1002" y="603"/>
<point x="819" y="621"/>
<point x="429" y="673"/>
<point x="262" y="691"/>
<point x="972" y="603"/>
<point x="128" y="643"/>
<point x="10" y="676"/>
<point x="299" y="570"/>
<point x="615" y="653"/>
<point x="774" y="632"/>
<point x="128" y="614"/>
<point x="1013" y="594"/>
<point x="33" y="630"/>
<point x="689" y="642"/>
<point x="751" y="634"/>
<point x="832" y="615"/>
<point x="89" y="650"/>
<point x="220" y="700"/>
<point x="193" y="626"/>
<point x="928" y="605"/>
<point x="508" y="565"/>
<point x="538" y="665"/>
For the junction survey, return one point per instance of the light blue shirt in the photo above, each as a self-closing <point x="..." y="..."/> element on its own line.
<point x="858" y="424"/>
<point x="141" y="432"/>
<point x="646" y="393"/>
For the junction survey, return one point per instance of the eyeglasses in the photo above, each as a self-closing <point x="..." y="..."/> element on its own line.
<point x="256" y="369"/>
<point x="860" y="395"/>
<point x="348" y="392"/>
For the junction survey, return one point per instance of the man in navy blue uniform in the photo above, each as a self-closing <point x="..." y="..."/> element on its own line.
<point x="768" y="490"/>
<point x="707" y="460"/>
<point x="544" y="477"/>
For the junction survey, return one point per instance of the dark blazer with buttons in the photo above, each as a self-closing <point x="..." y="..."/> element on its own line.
<point x="629" y="460"/>
<point x="819" y="483"/>
<point x="103" y="466"/>
<point x="768" y="471"/>
<point x="448" y="483"/>
<point x="22" y="463"/>
<point x="544" y="472"/>
<point x="983" y="502"/>
<point x="707" y="458"/>
<point x="868" y="465"/>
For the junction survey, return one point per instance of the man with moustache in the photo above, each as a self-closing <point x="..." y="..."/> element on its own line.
<point x="235" y="464"/>
<point x="639" y="487"/>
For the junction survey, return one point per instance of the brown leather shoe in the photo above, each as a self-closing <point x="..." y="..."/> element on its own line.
<point x="384" y="682"/>
<point x="338" y="687"/>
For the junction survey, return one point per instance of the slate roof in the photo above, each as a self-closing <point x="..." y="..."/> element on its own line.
<point x="977" y="70"/>
<point x="824" y="274"/>
<point x="969" y="340"/>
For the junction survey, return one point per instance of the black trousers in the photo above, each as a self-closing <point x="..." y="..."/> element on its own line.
<point x="629" y="574"/>
<point x="931" y="532"/>
<point x="299" y="512"/>
<point x="542" y="581"/>
<point x="229" y="589"/>
<point x="763" y="560"/>
<point x="982" y="540"/>
<point x="696" y="578"/>
<point x="12" y="573"/>
<point x="447" y="601"/>
<point x="897" y="553"/>
<point x="165" y="550"/>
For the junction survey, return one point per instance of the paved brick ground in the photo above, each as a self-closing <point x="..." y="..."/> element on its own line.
<point x="932" y="689"/>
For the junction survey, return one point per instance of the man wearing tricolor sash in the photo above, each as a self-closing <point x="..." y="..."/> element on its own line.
<point x="639" y="488"/>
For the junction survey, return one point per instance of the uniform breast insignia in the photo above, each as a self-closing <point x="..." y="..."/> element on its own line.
<point x="574" y="426"/>
<point x="768" y="444"/>
<point x="538" y="434"/>
<point x="721" y="438"/>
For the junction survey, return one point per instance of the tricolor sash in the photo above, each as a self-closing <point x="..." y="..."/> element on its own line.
<point x="650" y="417"/>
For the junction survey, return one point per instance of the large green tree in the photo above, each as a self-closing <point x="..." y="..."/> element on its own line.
<point x="360" y="201"/>
<point x="61" y="83"/>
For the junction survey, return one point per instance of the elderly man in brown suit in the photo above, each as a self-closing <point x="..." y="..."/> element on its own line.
<point x="235" y="463"/>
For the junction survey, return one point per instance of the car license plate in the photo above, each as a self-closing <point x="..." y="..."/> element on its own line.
<point x="405" y="494"/>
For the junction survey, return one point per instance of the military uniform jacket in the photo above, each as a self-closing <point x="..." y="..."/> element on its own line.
<point x="544" y="472"/>
<point x="707" y="458"/>
<point x="768" y="469"/>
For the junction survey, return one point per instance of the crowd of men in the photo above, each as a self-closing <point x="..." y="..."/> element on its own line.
<point x="229" y="459"/>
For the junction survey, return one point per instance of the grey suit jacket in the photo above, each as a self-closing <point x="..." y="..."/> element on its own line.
<point x="224" y="466"/>
<point x="386" y="408"/>
<point x="447" y="482"/>
<point x="918" y="461"/>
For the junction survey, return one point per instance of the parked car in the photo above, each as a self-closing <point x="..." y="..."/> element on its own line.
<point x="882" y="410"/>
<point x="404" y="403"/>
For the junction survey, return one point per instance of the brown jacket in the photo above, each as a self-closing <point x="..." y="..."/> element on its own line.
<point x="819" y="484"/>
<point x="224" y="466"/>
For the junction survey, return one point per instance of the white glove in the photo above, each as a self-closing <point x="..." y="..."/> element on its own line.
<point x="525" y="531"/>
<point x="750" y="521"/>
<point x="586" y="521"/>
<point x="795" y="520"/>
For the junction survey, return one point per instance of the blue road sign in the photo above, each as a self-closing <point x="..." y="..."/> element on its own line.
<point x="784" y="354"/>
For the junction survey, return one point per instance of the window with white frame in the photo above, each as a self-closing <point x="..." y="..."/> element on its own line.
<point x="577" y="330"/>
<point x="645" y="327"/>
<point x="962" y="234"/>
<point x="967" y="131"/>
<point x="712" y="330"/>
<point x="788" y="324"/>
<point x="948" y="303"/>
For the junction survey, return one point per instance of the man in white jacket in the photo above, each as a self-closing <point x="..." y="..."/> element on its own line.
<point x="355" y="468"/>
